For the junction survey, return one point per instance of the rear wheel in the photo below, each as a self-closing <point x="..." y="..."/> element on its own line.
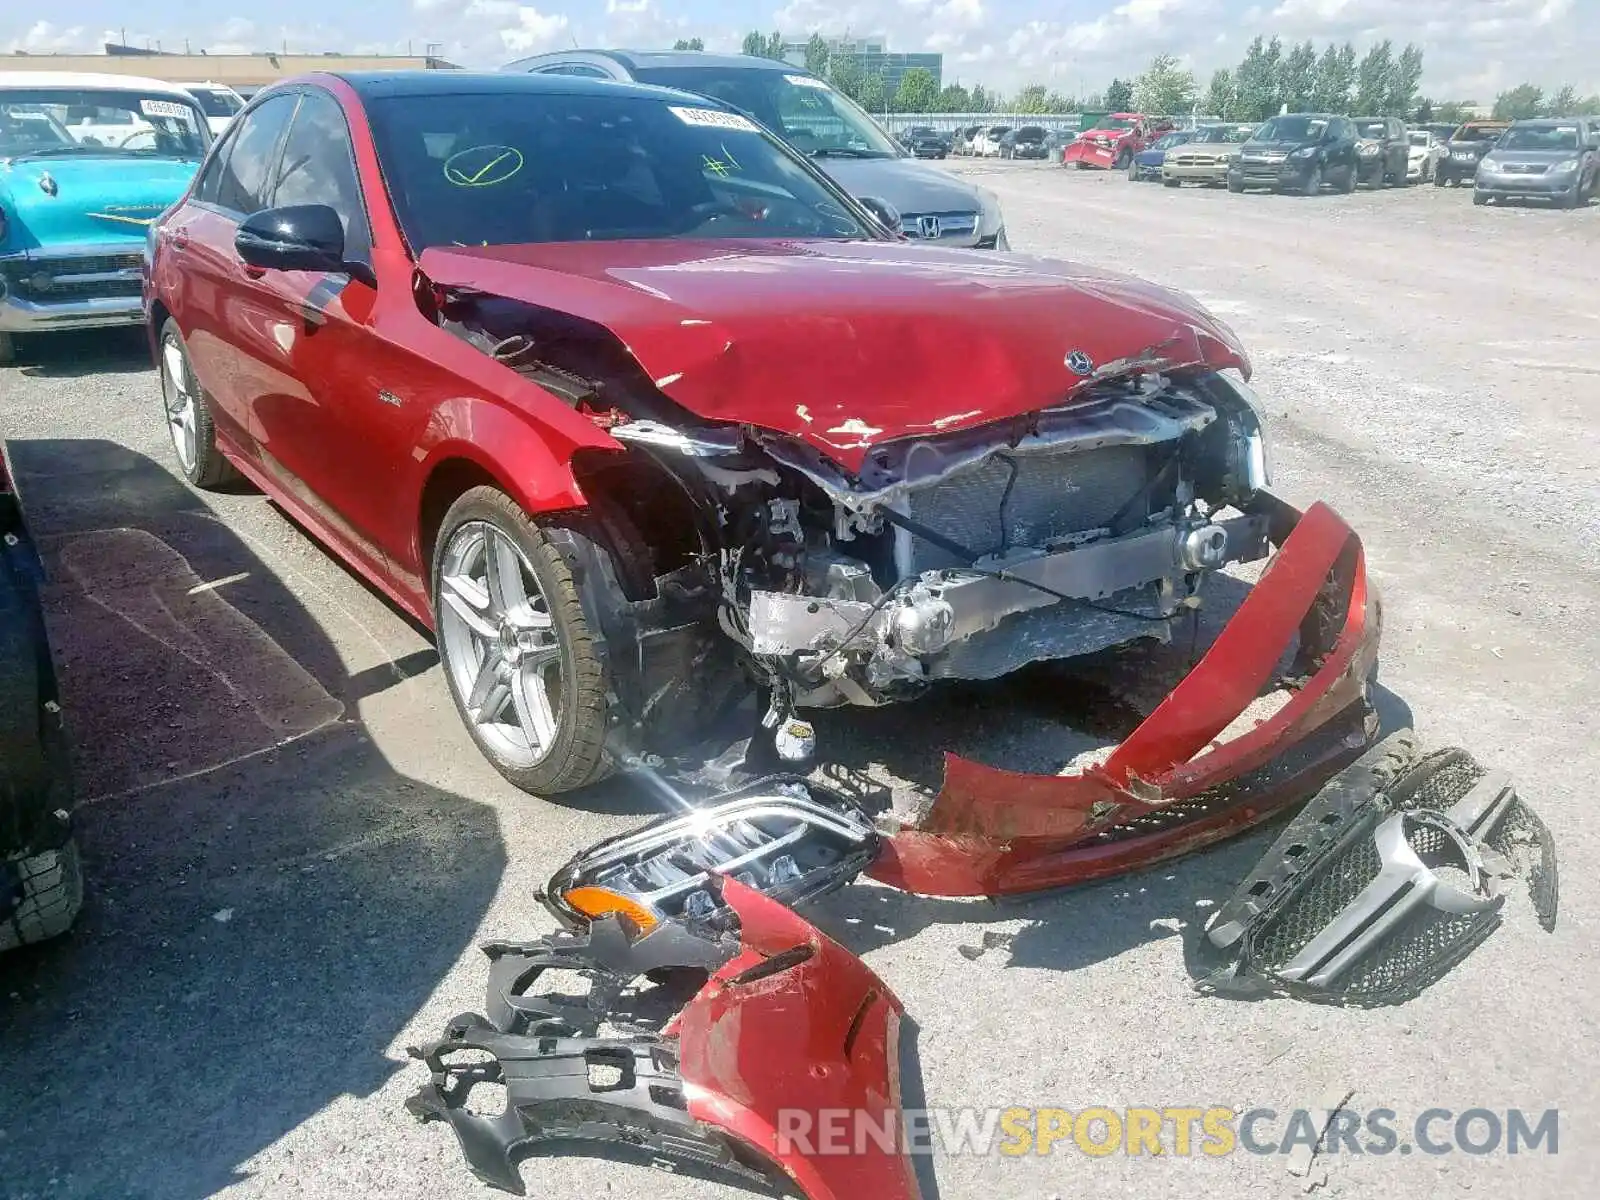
<point x="516" y="646"/>
<point x="1439" y="180"/>
<point x="187" y="409"/>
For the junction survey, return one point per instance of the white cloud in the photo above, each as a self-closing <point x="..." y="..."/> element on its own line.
<point x="44" y="38"/>
<point x="532" y="31"/>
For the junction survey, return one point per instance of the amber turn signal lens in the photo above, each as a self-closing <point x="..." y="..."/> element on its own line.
<point x="603" y="902"/>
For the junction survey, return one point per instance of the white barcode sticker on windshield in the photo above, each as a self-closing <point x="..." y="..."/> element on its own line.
<point x="711" y="118"/>
<point x="810" y="81"/>
<point x="163" y="108"/>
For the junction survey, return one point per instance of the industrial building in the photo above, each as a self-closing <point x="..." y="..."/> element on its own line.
<point x="873" y="57"/>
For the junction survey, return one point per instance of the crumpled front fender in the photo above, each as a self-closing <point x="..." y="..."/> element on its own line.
<point x="791" y="1029"/>
<point x="1168" y="789"/>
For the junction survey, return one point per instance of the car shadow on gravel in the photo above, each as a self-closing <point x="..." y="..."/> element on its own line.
<point x="270" y="902"/>
<point x="123" y="350"/>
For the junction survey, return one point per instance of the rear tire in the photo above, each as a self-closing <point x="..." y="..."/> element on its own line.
<point x="502" y="639"/>
<point x="1236" y="186"/>
<point x="52" y="895"/>
<point x="187" y="409"/>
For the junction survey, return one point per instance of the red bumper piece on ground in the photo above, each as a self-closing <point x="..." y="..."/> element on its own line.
<point x="792" y="1029"/>
<point x="1088" y="154"/>
<point x="1162" y="792"/>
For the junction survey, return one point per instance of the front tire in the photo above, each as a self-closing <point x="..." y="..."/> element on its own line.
<point x="51" y="886"/>
<point x="1313" y="185"/>
<point x="1236" y="186"/>
<point x="516" y="647"/>
<point x="1479" y="197"/>
<point x="187" y="408"/>
<point x="1172" y="183"/>
<point x="8" y="349"/>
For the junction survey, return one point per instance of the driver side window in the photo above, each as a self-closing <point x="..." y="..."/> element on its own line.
<point x="318" y="167"/>
<point x="244" y="187"/>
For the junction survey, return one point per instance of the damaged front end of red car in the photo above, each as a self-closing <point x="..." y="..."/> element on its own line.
<point x="1171" y="787"/>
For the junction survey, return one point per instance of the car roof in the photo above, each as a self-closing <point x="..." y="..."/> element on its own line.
<point x="65" y="80"/>
<point x="371" y="85"/>
<point x="1548" y="121"/>
<point x="644" y="60"/>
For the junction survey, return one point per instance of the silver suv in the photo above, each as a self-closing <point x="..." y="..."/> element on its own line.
<point x="816" y="120"/>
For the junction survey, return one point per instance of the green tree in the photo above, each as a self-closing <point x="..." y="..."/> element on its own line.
<point x="1119" y="96"/>
<point x="955" y="98"/>
<point x="1031" y="99"/>
<point x="1400" y="92"/>
<point x="817" y="55"/>
<point x="1055" y="102"/>
<point x="844" y="72"/>
<point x="754" y="44"/>
<point x="1297" y="77"/>
<point x="980" y="99"/>
<point x="1372" y="80"/>
<point x="1424" y="112"/>
<point x="874" y="96"/>
<point x="1455" y="111"/>
<point x="1256" y="81"/>
<point x="1166" y="87"/>
<point x="1589" y="106"/>
<point x="917" y="92"/>
<point x="1330" y="91"/>
<point x="1219" y="96"/>
<point x="1564" y="103"/>
<point x="775" y="46"/>
<point x="1520" y="103"/>
<point x="689" y="44"/>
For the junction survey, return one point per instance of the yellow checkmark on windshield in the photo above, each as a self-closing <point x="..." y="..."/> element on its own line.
<point x="506" y="163"/>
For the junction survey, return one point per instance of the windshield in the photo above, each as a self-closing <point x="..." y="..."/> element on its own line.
<point x="1168" y="140"/>
<point x="1113" y="123"/>
<point x="1371" y="129"/>
<point x="1540" y="137"/>
<point x="1478" y="133"/>
<point x="464" y="170"/>
<point x="1423" y="140"/>
<point x="1291" y="129"/>
<point x="803" y="110"/>
<point x="99" y="122"/>
<point x="1220" y="136"/>
<point x="215" y="103"/>
<point x="1030" y="133"/>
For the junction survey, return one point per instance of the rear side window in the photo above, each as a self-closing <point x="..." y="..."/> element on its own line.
<point x="318" y="167"/>
<point x="244" y="187"/>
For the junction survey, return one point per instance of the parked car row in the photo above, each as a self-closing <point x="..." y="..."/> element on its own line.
<point x="1556" y="159"/>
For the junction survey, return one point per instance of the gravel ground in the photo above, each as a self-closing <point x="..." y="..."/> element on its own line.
<point x="293" y="848"/>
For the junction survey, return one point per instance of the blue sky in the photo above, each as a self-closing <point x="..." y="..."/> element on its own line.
<point x="1473" y="47"/>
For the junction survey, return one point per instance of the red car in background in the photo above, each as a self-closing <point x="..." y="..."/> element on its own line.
<point x="1113" y="140"/>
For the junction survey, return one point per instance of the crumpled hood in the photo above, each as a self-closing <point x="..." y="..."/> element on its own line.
<point x="849" y="344"/>
<point x="96" y="199"/>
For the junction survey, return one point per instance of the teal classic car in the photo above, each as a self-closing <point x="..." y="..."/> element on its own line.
<point x="87" y="162"/>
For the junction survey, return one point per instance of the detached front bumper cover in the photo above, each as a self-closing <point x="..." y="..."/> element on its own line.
<point x="787" y="1020"/>
<point x="1168" y="789"/>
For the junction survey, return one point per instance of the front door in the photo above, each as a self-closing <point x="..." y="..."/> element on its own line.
<point x="210" y="281"/>
<point x="318" y="412"/>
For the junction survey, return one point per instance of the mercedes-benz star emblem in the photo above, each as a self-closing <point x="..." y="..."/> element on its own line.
<point x="1080" y="363"/>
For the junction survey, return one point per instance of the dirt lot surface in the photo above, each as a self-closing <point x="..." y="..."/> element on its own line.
<point x="293" y="848"/>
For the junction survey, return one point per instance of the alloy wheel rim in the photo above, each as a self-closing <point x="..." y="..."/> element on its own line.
<point x="179" y="402"/>
<point x="501" y="645"/>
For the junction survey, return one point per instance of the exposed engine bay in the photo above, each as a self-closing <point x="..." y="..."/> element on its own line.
<point x="956" y="555"/>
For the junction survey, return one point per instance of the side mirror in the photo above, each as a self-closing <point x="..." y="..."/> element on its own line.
<point x="300" y="237"/>
<point x="887" y="214"/>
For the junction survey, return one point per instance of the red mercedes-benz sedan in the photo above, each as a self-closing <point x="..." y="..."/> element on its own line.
<point x="644" y="416"/>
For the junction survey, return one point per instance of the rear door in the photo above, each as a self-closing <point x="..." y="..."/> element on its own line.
<point x="210" y="279"/>
<point x="326" y="427"/>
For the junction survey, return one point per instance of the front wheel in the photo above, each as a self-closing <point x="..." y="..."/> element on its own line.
<point x="1236" y="186"/>
<point x="49" y="888"/>
<point x="1172" y="183"/>
<point x="1122" y="160"/>
<point x="1440" y="180"/>
<point x="1479" y="197"/>
<point x="516" y="647"/>
<point x="8" y="349"/>
<point x="1133" y="170"/>
<point x="1314" y="181"/>
<point x="1348" y="183"/>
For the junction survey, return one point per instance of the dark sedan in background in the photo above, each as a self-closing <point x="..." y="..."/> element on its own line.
<point x="1465" y="149"/>
<point x="1298" y="152"/>
<point x="1147" y="163"/>
<point x="924" y="141"/>
<point x="1030" y="141"/>
<point x="1383" y="150"/>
